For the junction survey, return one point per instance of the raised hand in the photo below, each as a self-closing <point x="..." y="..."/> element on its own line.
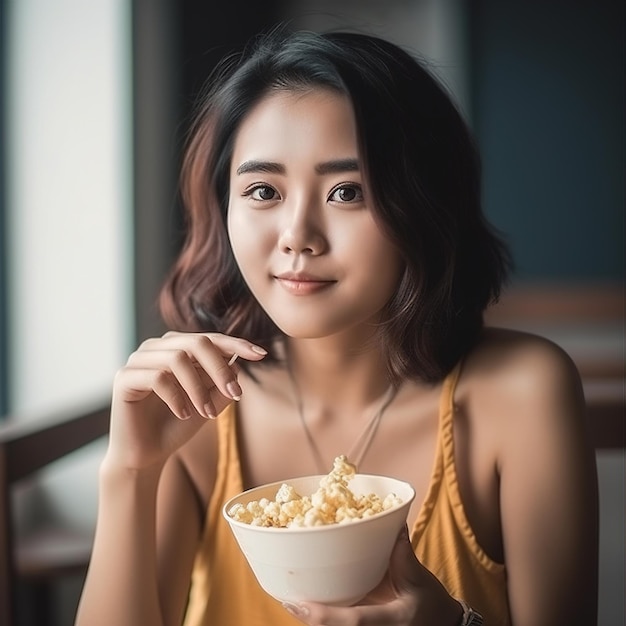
<point x="167" y="390"/>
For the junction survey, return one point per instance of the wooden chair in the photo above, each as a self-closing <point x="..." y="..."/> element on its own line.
<point x="41" y="556"/>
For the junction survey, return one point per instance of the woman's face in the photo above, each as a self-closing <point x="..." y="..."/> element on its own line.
<point x="301" y="227"/>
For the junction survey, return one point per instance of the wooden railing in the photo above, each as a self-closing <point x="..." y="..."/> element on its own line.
<point x="26" y="447"/>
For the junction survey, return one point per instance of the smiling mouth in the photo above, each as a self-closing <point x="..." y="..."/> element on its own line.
<point x="303" y="285"/>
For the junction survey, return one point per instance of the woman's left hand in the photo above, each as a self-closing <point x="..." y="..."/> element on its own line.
<point x="409" y="595"/>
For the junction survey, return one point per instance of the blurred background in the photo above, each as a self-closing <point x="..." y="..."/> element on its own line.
<point x="96" y="98"/>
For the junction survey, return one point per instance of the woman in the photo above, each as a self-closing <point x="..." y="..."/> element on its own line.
<point x="337" y="249"/>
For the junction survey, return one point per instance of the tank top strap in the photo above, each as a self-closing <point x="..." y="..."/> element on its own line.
<point x="228" y="481"/>
<point x="448" y="410"/>
<point x="446" y="415"/>
<point x="443" y="452"/>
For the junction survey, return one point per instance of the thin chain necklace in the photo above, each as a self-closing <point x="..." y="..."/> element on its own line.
<point x="363" y="442"/>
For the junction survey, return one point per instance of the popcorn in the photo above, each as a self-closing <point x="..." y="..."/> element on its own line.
<point x="332" y="503"/>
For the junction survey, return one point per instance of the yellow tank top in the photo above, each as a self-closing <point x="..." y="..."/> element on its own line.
<point x="224" y="591"/>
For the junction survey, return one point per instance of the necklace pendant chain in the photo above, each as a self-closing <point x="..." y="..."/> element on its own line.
<point x="366" y="437"/>
<point x="362" y="444"/>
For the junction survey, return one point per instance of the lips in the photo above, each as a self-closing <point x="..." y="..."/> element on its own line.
<point x="303" y="284"/>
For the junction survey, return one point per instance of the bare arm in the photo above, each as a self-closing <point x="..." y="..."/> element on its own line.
<point x="121" y="585"/>
<point x="149" y="520"/>
<point x="148" y="528"/>
<point x="548" y="495"/>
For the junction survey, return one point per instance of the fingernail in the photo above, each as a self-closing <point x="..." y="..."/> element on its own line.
<point x="185" y="413"/>
<point x="234" y="390"/>
<point x="297" y="610"/>
<point x="259" y="350"/>
<point x="209" y="411"/>
<point x="232" y="359"/>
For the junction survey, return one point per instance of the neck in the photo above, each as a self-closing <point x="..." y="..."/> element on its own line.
<point x="347" y="392"/>
<point x="347" y="379"/>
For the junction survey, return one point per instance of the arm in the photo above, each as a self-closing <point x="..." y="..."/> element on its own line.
<point x="148" y="528"/>
<point x="548" y="489"/>
<point x="121" y="585"/>
<point x="148" y="516"/>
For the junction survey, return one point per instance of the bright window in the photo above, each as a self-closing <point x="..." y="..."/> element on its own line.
<point x="68" y="199"/>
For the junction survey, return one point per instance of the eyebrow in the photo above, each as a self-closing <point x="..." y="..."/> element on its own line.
<point x="327" y="167"/>
<point x="337" y="166"/>
<point x="261" y="166"/>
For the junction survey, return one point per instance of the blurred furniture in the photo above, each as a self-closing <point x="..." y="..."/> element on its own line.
<point x="38" y="558"/>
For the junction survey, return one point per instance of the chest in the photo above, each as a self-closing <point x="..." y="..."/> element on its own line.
<point x="407" y="444"/>
<point x="274" y="444"/>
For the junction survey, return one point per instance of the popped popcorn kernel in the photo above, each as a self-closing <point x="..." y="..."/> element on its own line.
<point x="332" y="503"/>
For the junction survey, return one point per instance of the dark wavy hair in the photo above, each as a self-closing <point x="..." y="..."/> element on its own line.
<point x="423" y="177"/>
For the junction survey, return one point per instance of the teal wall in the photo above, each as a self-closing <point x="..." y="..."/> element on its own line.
<point x="548" y="110"/>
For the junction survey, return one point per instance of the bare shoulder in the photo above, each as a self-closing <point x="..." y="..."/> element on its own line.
<point x="522" y="399"/>
<point x="517" y="382"/>
<point x="520" y="357"/>
<point x="520" y="392"/>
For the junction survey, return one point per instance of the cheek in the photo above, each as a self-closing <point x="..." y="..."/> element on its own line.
<point x="248" y="243"/>
<point x="389" y="269"/>
<point x="377" y="257"/>
<point x="236" y="234"/>
<point x="378" y="270"/>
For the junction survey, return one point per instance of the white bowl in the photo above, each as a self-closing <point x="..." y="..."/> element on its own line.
<point x="335" y="564"/>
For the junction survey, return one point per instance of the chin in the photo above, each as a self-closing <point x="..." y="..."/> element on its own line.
<point x="312" y="326"/>
<point x="303" y="331"/>
<point x="304" y="326"/>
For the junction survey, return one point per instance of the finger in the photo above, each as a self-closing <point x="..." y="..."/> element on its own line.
<point x="226" y="344"/>
<point x="170" y="351"/>
<point x="248" y="349"/>
<point x="178" y="362"/>
<point x="137" y="384"/>
<point x="239" y="347"/>
<point x="211" y="351"/>
<point x="364" y="615"/>
<point x="214" y="363"/>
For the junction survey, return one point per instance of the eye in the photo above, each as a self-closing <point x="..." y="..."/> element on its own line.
<point x="261" y="193"/>
<point x="346" y="194"/>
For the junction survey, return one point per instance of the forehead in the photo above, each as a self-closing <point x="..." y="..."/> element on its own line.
<point x="315" y="123"/>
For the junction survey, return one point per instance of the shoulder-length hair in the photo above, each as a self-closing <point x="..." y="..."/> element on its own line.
<point x="423" y="179"/>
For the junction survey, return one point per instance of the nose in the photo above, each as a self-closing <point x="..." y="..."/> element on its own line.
<point x="302" y="231"/>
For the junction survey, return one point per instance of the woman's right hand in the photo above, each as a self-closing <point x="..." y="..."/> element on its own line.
<point x="167" y="390"/>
